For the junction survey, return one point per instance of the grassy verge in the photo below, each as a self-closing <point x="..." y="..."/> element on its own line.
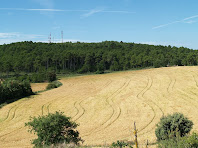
<point x="70" y="75"/>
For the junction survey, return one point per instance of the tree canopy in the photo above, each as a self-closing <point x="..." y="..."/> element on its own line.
<point x="79" y="57"/>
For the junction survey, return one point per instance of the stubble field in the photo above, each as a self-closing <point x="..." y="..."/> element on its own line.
<point x="106" y="106"/>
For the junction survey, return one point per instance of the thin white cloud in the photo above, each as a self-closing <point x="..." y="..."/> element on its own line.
<point x="118" y="11"/>
<point x="11" y="37"/>
<point x="89" y="12"/>
<point x="185" y="20"/>
<point x="190" y="22"/>
<point x="22" y="9"/>
<point x="188" y="18"/>
<point x="160" y="26"/>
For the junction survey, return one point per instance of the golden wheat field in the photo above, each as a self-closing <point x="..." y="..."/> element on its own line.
<point x="106" y="106"/>
<point x="38" y="86"/>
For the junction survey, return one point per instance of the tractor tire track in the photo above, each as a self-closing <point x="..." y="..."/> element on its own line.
<point x="171" y="85"/>
<point x="1" y="136"/>
<point x="110" y="102"/>
<point x="76" y="110"/>
<point x="8" y="114"/>
<point x="81" y="101"/>
<point x="154" y="107"/>
<point x="11" y="114"/>
<point x="119" y="113"/>
<point x="141" y="95"/>
<point x="83" y="111"/>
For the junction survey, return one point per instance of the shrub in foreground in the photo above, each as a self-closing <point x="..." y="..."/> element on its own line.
<point x="171" y="125"/>
<point x="180" y="142"/>
<point x="53" y="129"/>
<point x="121" y="144"/>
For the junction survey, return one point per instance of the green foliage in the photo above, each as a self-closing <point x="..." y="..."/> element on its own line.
<point x="170" y="125"/>
<point x="54" y="84"/>
<point x="51" y="76"/>
<point x="53" y="129"/>
<point x="51" y="86"/>
<point x="120" y="144"/>
<point x="13" y="90"/>
<point x="191" y="141"/>
<point x="30" y="57"/>
<point x="38" y="77"/>
<point x="180" y="142"/>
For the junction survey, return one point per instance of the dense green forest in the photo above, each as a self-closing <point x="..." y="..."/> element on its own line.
<point x="30" y="57"/>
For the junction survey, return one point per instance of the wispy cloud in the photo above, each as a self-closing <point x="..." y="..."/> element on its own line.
<point x="160" y="26"/>
<point x="91" y="12"/>
<point x="88" y="12"/>
<point x="185" y="20"/>
<point x="22" y="9"/>
<point x="102" y="10"/>
<point x="11" y="37"/>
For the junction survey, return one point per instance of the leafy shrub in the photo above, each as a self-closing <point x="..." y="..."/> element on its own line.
<point x="180" y="142"/>
<point x="51" y="86"/>
<point x="53" y="129"/>
<point x="54" y="84"/>
<point x="169" y="126"/>
<point x="38" y="77"/>
<point x="14" y="89"/>
<point x="51" y="76"/>
<point x="120" y="144"/>
<point x="191" y="141"/>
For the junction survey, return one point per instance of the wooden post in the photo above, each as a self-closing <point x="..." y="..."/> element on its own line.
<point x="135" y="133"/>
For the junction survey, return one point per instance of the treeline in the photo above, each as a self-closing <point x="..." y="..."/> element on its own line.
<point x="11" y="90"/>
<point x="30" y="57"/>
<point x="42" y="76"/>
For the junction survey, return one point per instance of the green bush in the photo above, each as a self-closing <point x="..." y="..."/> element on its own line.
<point x="38" y="77"/>
<point x="169" y="125"/>
<point x="53" y="129"/>
<point x="51" y="76"/>
<point x="14" y="89"/>
<point x="51" y="86"/>
<point x="54" y="84"/>
<point x="180" y="142"/>
<point x="120" y="144"/>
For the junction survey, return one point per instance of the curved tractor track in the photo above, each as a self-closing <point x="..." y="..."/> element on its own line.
<point x="106" y="106"/>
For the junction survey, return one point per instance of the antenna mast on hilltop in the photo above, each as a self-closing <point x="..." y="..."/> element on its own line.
<point x="62" y="35"/>
<point x="50" y="38"/>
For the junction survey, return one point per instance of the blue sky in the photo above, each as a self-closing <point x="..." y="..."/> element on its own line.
<point x="164" y="22"/>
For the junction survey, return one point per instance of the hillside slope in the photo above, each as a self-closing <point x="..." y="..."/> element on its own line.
<point x="106" y="106"/>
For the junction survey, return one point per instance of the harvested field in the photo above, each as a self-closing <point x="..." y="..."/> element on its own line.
<point x="106" y="106"/>
<point x="38" y="86"/>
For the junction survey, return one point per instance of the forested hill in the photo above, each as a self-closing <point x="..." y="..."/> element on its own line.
<point x="90" y="57"/>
